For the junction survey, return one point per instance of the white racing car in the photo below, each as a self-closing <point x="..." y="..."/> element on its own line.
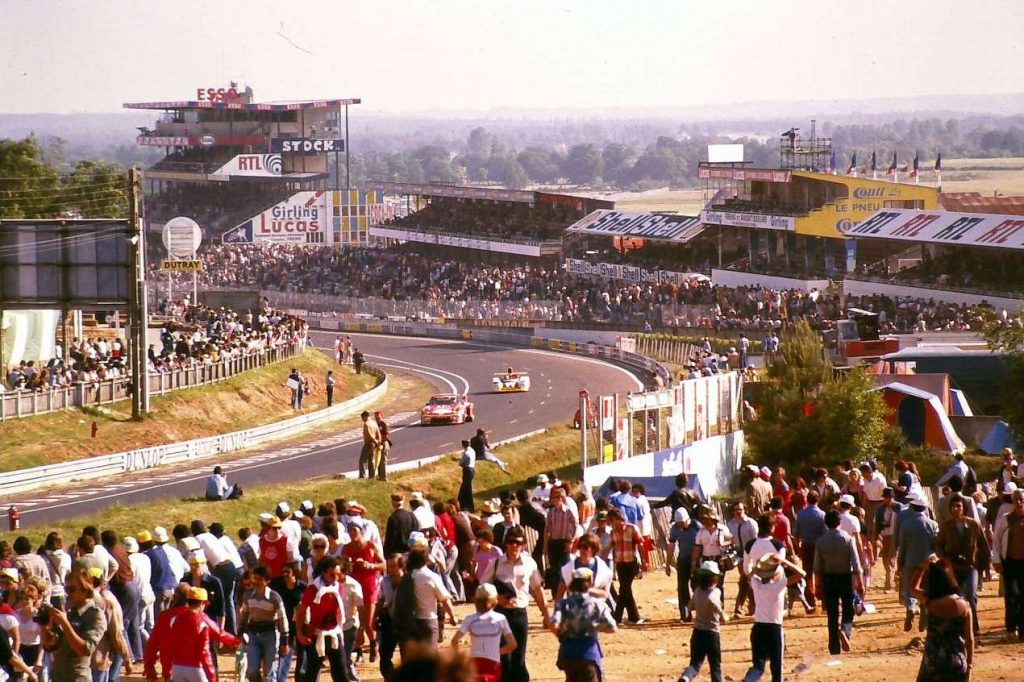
<point x="511" y="381"/>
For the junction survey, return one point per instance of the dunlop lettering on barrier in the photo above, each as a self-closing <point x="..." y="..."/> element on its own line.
<point x="203" y="448"/>
<point x="146" y="458"/>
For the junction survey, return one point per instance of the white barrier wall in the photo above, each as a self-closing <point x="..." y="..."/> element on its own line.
<point x="175" y="453"/>
<point x="734" y="278"/>
<point x="863" y="287"/>
<point x="714" y="460"/>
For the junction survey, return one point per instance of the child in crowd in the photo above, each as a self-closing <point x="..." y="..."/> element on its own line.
<point x="487" y="630"/>
<point x="708" y="614"/>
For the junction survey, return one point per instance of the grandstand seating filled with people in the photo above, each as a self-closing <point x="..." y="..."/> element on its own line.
<point x="501" y="219"/>
<point x="407" y="275"/>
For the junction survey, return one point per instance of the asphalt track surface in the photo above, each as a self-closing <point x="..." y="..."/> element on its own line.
<point x="450" y="366"/>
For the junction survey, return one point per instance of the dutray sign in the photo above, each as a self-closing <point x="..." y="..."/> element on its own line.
<point x="305" y="145"/>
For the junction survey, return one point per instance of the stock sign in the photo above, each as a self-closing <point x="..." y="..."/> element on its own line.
<point x="305" y="145"/>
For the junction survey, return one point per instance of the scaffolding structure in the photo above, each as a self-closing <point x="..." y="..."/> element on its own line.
<point x="807" y="153"/>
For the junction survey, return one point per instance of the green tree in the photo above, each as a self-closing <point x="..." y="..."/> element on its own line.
<point x="583" y="165"/>
<point x="27" y="183"/>
<point x="94" y="189"/>
<point x="810" y="415"/>
<point x="1006" y="334"/>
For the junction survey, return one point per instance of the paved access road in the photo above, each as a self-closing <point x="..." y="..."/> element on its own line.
<point x="451" y="366"/>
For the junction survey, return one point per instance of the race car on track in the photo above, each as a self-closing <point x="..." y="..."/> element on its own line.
<point x="447" y="408"/>
<point x="511" y="381"/>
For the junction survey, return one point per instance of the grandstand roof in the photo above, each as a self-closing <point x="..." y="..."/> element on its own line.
<point x="665" y="227"/>
<point x="991" y="230"/>
<point x="975" y="202"/>
<point x="453" y="191"/>
<point x="251" y="106"/>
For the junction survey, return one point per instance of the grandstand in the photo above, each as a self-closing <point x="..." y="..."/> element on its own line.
<point x="499" y="221"/>
<point x="229" y="158"/>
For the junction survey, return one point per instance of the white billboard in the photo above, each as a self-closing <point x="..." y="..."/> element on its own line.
<point x="725" y="153"/>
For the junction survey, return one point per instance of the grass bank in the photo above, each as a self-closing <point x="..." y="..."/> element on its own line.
<point x="250" y="399"/>
<point x="556" y="450"/>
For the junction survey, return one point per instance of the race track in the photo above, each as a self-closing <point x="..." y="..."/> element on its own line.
<point x="448" y="365"/>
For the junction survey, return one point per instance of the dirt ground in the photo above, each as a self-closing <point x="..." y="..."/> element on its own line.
<point x="658" y="650"/>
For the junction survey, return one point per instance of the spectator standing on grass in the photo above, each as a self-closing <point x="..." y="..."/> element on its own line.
<point x="467" y="463"/>
<point x="221" y="565"/>
<point x="681" y="538"/>
<point x="295" y="384"/>
<point x="518" y="570"/>
<point x="329" y="383"/>
<point x="399" y="525"/>
<point x="708" y="613"/>
<point x="576" y="622"/>
<point x="358" y="360"/>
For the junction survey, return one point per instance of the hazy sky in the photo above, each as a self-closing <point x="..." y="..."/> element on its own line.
<point x="490" y="54"/>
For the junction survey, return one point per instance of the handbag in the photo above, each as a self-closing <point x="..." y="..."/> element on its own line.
<point x="729" y="557"/>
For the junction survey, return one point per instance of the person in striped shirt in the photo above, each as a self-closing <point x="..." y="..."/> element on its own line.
<point x="626" y="544"/>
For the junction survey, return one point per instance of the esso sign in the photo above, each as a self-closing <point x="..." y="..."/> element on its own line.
<point x="219" y="95"/>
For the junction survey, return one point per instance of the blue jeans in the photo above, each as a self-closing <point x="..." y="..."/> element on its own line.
<point x="967" y="578"/>
<point x="261" y="655"/>
<point x="284" y="666"/>
<point x="100" y="675"/>
<point x="229" y="577"/>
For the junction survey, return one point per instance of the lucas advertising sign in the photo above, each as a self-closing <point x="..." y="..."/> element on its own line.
<point x="300" y="218"/>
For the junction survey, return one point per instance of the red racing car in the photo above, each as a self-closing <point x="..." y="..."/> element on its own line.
<point x="447" y="408"/>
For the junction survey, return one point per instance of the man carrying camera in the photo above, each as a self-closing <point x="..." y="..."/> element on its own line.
<point x="71" y="636"/>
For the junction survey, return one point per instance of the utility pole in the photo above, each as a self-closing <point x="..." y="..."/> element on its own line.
<point x="137" y="312"/>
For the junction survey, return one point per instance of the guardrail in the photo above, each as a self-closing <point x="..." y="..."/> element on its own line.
<point x="18" y="404"/>
<point x="175" y="453"/>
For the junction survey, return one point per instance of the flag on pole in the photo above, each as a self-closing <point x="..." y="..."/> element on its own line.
<point x="938" y="163"/>
<point x="892" y="166"/>
<point x="874" y="163"/>
<point x="852" y="169"/>
<point x="914" y="169"/>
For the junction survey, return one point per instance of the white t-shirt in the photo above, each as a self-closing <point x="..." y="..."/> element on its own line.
<point x="709" y="540"/>
<point x="486" y="631"/>
<point x="429" y="590"/>
<point x="759" y="548"/>
<point x="849" y="523"/>
<point x="646" y="522"/>
<point x="875" y="486"/>
<point x="212" y="549"/>
<point x="769" y="599"/>
<point x="352" y="595"/>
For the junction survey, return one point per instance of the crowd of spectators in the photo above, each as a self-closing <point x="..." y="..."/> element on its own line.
<point x="325" y="584"/>
<point x="199" y="335"/>
<point x="502" y="219"/>
<point x="192" y="336"/>
<point x="478" y="290"/>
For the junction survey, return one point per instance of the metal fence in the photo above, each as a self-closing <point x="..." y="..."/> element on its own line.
<point x="18" y="404"/>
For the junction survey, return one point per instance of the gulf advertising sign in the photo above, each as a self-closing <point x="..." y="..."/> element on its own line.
<point x="299" y="218"/>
